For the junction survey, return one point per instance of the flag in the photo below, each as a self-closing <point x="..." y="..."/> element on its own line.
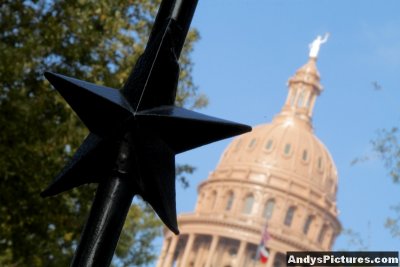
<point x="262" y="252"/>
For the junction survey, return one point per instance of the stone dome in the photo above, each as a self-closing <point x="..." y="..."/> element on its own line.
<point x="278" y="177"/>
<point x="283" y="162"/>
<point x="287" y="149"/>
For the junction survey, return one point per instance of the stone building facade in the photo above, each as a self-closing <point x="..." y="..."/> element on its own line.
<point x="280" y="175"/>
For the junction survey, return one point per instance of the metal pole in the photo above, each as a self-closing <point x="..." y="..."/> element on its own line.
<point x="103" y="227"/>
<point x="182" y="14"/>
<point x="114" y="196"/>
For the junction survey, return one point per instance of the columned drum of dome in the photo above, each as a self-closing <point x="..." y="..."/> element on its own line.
<point x="280" y="174"/>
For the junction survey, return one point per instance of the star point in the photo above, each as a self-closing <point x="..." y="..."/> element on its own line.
<point x="136" y="132"/>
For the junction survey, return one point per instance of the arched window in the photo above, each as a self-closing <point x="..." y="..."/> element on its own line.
<point x="305" y="155"/>
<point x="252" y="143"/>
<point x="307" y="224"/>
<point x="229" y="201"/>
<point x="248" y="204"/>
<point x="287" y="149"/>
<point x="300" y="99"/>
<point x="320" y="163"/>
<point x="308" y="102"/>
<point x="268" y="209"/>
<point x="289" y="216"/>
<point x="268" y="146"/>
<point x="213" y="199"/>
<point x="237" y="146"/>
<point x="322" y="234"/>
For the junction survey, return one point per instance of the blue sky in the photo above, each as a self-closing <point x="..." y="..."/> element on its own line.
<point x="249" y="49"/>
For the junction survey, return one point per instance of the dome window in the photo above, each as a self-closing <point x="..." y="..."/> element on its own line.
<point x="322" y="234"/>
<point x="229" y="202"/>
<point x="248" y="204"/>
<point x="289" y="216"/>
<point x="305" y="155"/>
<point x="320" y="163"/>
<point x="252" y="143"/>
<point x="269" y="144"/>
<point x="237" y="146"/>
<point x="213" y="199"/>
<point x="287" y="149"/>
<point x="300" y="99"/>
<point x="307" y="224"/>
<point x="268" y="209"/>
<point x="308" y="102"/>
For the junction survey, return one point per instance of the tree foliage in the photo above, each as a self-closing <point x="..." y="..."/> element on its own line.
<point x="97" y="41"/>
<point x="355" y="241"/>
<point x="387" y="146"/>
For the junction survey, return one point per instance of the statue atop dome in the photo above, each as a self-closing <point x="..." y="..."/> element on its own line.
<point x="315" y="45"/>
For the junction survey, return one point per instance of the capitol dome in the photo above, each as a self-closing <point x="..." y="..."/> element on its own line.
<point x="284" y="148"/>
<point x="278" y="177"/>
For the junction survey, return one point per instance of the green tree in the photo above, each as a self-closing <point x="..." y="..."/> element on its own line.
<point x="387" y="146"/>
<point x="97" y="41"/>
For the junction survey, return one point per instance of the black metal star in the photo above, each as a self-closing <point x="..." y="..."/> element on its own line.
<point x="135" y="134"/>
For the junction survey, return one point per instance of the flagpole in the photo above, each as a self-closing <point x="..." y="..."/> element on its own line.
<point x="255" y="260"/>
<point x="264" y="238"/>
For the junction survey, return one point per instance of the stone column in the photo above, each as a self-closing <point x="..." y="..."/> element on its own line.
<point x="211" y="251"/>
<point x="188" y="249"/>
<point x="241" y="253"/>
<point x="199" y="256"/>
<point x="163" y="252"/>
<point x="307" y="99"/>
<point x="271" y="258"/>
<point x="310" y="111"/>
<point x="171" y="251"/>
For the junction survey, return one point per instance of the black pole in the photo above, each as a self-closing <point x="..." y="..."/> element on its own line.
<point x="163" y="14"/>
<point x="103" y="227"/>
<point x="114" y="196"/>
<point x="182" y="14"/>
